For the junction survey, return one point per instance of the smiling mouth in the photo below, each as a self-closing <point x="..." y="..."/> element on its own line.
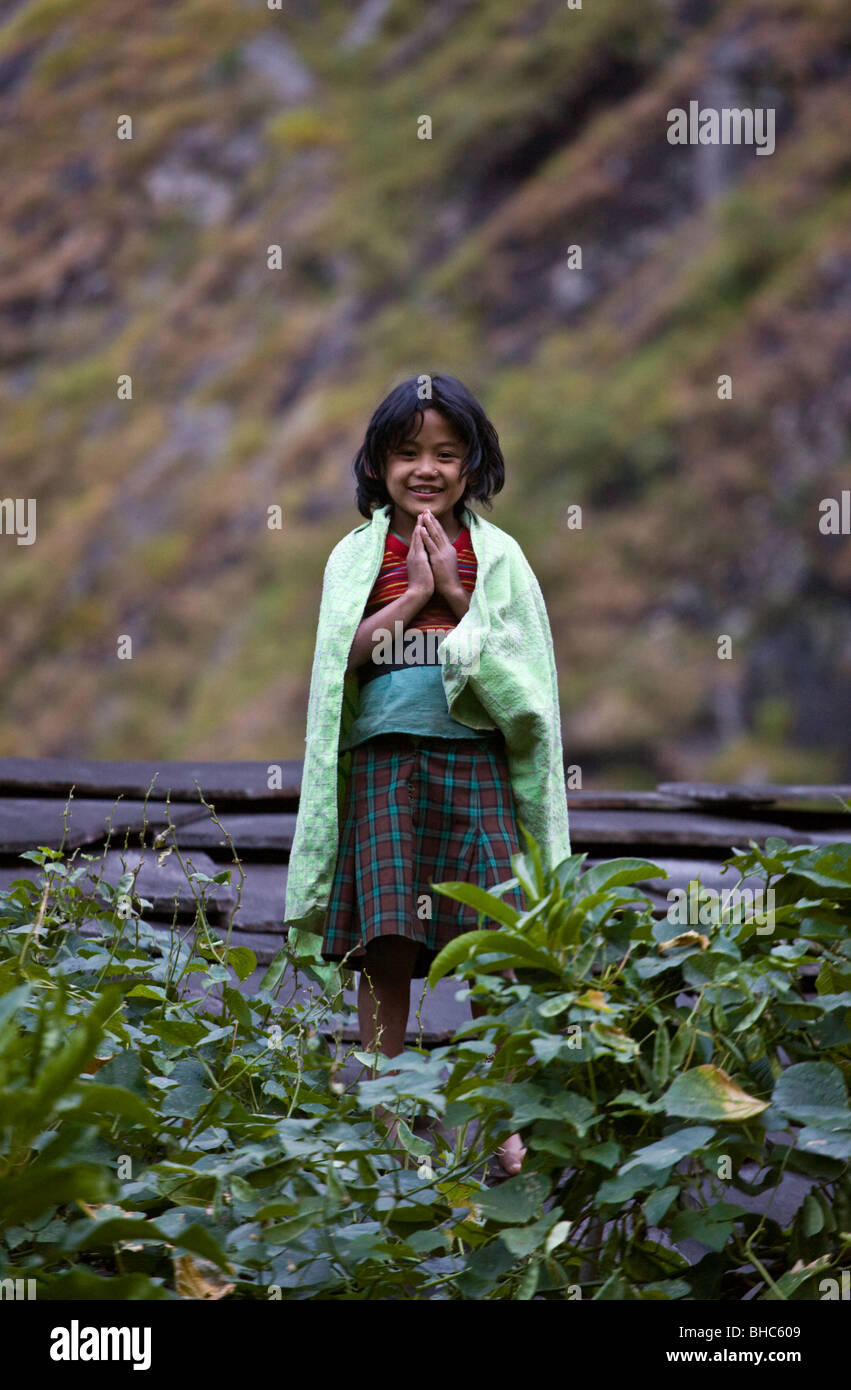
<point x="425" y="492"/>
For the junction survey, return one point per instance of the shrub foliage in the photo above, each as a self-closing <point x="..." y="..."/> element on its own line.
<point x="161" y="1141"/>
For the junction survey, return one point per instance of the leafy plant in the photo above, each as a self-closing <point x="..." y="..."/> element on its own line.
<point x="662" y="1074"/>
<point x="166" y="1132"/>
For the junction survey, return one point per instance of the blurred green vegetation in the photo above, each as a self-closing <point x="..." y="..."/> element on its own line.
<point x="252" y="387"/>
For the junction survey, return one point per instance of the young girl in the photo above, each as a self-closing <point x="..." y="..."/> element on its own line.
<point x="433" y="716"/>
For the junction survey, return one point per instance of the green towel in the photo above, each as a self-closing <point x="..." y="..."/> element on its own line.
<point x="498" y="658"/>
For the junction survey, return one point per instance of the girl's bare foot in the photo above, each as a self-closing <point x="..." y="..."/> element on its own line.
<point x="511" y="1154"/>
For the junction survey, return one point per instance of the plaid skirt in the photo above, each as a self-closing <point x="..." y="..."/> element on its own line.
<point x="419" y="811"/>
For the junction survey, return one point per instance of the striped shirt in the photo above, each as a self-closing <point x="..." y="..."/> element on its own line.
<point x="392" y="581"/>
<point x="410" y="698"/>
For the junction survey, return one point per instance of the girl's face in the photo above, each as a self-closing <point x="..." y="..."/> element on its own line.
<point x="422" y="475"/>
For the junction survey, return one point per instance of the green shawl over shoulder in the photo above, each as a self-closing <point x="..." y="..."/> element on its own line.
<point x="499" y="658"/>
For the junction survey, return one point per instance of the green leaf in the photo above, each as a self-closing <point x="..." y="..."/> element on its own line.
<point x="480" y="899"/>
<point x="551" y="1008"/>
<point x="242" y="960"/>
<point x="615" y="872"/>
<point x="125" y="1069"/>
<point x="14" y="1000"/>
<point x="81" y="1285"/>
<point x="811" y="1216"/>
<point x="190" y="1094"/>
<point x="485" y="1267"/>
<point x="661" y="1056"/>
<point x="813" y="1092"/>
<point x="705" y="1226"/>
<point x="276" y="970"/>
<point x="516" y="1200"/>
<point x="633" y="1100"/>
<point x="828" y="867"/>
<point x="195" y="1238"/>
<point x="523" y="1241"/>
<point x="789" y="1283"/>
<point x="829" y="1144"/>
<point x="617" y="1190"/>
<point x="616" y="1289"/>
<point x="658" y="1203"/>
<point x="513" y="949"/>
<point x="568" y="869"/>
<point x="238" y="1006"/>
<point x="708" y="1093"/>
<point x="533" y="855"/>
<point x="39" y="1187"/>
<point x="177" y="1032"/>
<point x="752" y="1014"/>
<point x="664" y="1153"/>
<point x="606" y="1154"/>
<point x="421" y="1148"/>
<point x="93" y="1098"/>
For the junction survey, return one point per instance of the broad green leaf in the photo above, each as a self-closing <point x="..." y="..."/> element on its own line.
<point x="276" y="970"/>
<point x="827" y="1143"/>
<point x="81" y="1285"/>
<point x="557" y="1236"/>
<point x="617" y="1190"/>
<point x="753" y="1014"/>
<point x="513" y="949"/>
<point x="93" y="1098"/>
<point x="480" y="899"/>
<point x="238" y="1006"/>
<point x="568" y="869"/>
<point x="811" y="1216"/>
<point x="828" y="867"/>
<point x="516" y="1200"/>
<point x="14" y="1000"/>
<point x="39" y="1187"/>
<point x="192" y="1091"/>
<point x="615" y="872"/>
<point x="242" y="960"/>
<point x="125" y="1069"/>
<point x="789" y="1283"/>
<point x="708" y="1093"/>
<point x="658" y="1203"/>
<point x="551" y="1008"/>
<point x="664" y="1153"/>
<point x="633" y="1100"/>
<point x="813" y="1092"/>
<point x="176" y="1032"/>
<point x="485" y="1267"/>
<point x="421" y="1148"/>
<point x="710" y="1226"/>
<point x="606" y="1154"/>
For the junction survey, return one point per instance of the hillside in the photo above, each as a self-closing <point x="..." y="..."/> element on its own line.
<point x="252" y="386"/>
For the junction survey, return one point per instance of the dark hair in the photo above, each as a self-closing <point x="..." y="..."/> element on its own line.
<point x="391" y="424"/>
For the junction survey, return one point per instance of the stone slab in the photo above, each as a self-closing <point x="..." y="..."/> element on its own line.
<point x="225" y="781"/>
<point x="756" y="794"/>
<point x="26" y="822"/>
<point x="162" y="881"/>
<point x="260" y="832"/>
<point x="661" y="829"/>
